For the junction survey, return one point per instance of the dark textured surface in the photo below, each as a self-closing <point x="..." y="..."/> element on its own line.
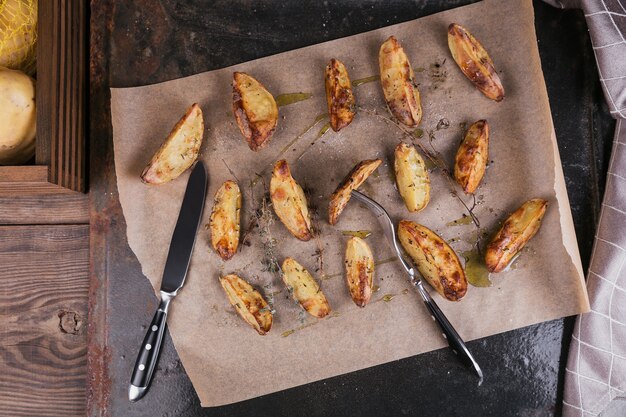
<point x="143" y="42"/>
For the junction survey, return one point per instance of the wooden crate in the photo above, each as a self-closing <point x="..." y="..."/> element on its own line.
<point x="61" y="99"/>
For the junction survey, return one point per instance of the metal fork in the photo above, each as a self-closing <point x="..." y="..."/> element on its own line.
<point x="449" y="333"/>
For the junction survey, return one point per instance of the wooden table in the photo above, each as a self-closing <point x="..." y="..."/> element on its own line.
<point x="44" y="242"/>
<point x="44" y="288"/>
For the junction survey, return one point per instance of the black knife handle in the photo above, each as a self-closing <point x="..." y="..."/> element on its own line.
<point x="151" y="346"/>
<point x="455" y="341"/>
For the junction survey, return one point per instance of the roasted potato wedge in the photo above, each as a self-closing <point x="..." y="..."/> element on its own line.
<point x="179" y="151"/>
<point x="396" y="77"/>
<point x="353" y="180"/>
<point x="516" y="231"/>
<point x="339" y="96"/>
<point x="248" y="302"/>
<point x="411" y="177"/>
<point x="255" y="110"/>
<point x="224" y="223"/>
<point x="305" y="289"/>
<point x="435" y="259"/>
<point x="359" y="270"/>
<point x="474" y="62"/>
<point x="472" y="157"/>
<point x="289" y="202"/>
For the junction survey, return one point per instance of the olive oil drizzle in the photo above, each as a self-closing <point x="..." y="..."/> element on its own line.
<point x="307" y="325"/>
<point x="461" y="221"/>
<point x="284" y="150"/>
<point x="321" y="133"/>
<point x="365" y="80"/>
<point x="357" y="233"/>
<point x="476" y="270"/>
<point x="290" y="98"/>
<point x="318" y="119"/>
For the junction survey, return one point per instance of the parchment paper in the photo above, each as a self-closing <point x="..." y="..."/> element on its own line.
<point x="225" y="359"/>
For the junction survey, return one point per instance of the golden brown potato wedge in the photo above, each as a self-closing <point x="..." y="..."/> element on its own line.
<point x="411" y="177"/>
<point x="339" y="96"/>
<point x="179" y="151"/>
<point x="474" y="62"/>
<point x="359" y="270"/>
<point x="255" y="110"/>
<point x="305" y="289"/>
<point x="396" y="77"/>
<point x="224" y="223"/>
<point x="353" y="180"/>
<point x="248" y="302"/>
<point x="435" y="259"/>
<point x="472" y="157"/>
<point x="516" y="231"/>
<point x="289" y="202"/>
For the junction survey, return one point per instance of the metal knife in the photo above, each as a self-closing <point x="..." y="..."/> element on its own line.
<point x="178" y="257"/>
<point x="449" y="333"/>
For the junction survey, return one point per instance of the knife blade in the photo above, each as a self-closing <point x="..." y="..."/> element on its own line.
<point x="174" y="273"/>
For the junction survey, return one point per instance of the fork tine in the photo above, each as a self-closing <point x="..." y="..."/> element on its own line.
<point x="372" y="205"/>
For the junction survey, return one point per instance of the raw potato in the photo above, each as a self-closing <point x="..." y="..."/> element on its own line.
<point x="411" y="177"/>
<point x="255" y="110"/>
<point x="306" y="290"/>
<point x="248" y="302"/>
<point x="359" y="270"/>
<point x="355" y="178"/>
<point x="289" y="202"/>
<point x="396" y="77"/>
<point x="179" y="151"/>
<point x="18" y="117"/>
<point x="472" y="157"/>
<point x="339" y="96"/>
<point x="224" y="222"/>
<point x="474" y="61"/>
<point x="18" y="35"/>
<point x="435" y="259"/>
<point x="516" y="231"/>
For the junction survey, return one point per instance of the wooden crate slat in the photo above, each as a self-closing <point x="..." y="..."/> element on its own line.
<point x="61" y="91"/>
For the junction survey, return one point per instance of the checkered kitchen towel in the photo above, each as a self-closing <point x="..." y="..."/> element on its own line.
<point x="595" y="380"/>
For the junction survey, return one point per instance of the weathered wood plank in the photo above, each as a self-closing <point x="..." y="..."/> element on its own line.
<point x="66" y="208"/>
<point x="43" y="310"/>
<point x="26" y="173"/>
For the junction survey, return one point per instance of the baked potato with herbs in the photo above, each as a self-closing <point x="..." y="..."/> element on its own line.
<point x="474" y="62"/>
<point x="339" y="96"/>
<point x="515" y="232"/>
<point x="411" y="177"/>
<point x="224" y="223"/>
<point x="359" y="263"/>
<point x="179" y="151"/>
<point x="472" y="157"/>
<point x="289" y="202"/>
<point x="339" y="199"/>
<point x="396" y="78"/>
<point x="248" y="303"/>
<point x="255" y="110"/>
<point x="435" y="259"/>
<point x="304" y="288"/>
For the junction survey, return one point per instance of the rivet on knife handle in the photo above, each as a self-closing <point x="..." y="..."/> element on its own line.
<point x="149" y="353"/>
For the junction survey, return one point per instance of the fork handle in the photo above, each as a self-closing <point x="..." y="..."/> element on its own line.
<point x="449" y="333"/>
